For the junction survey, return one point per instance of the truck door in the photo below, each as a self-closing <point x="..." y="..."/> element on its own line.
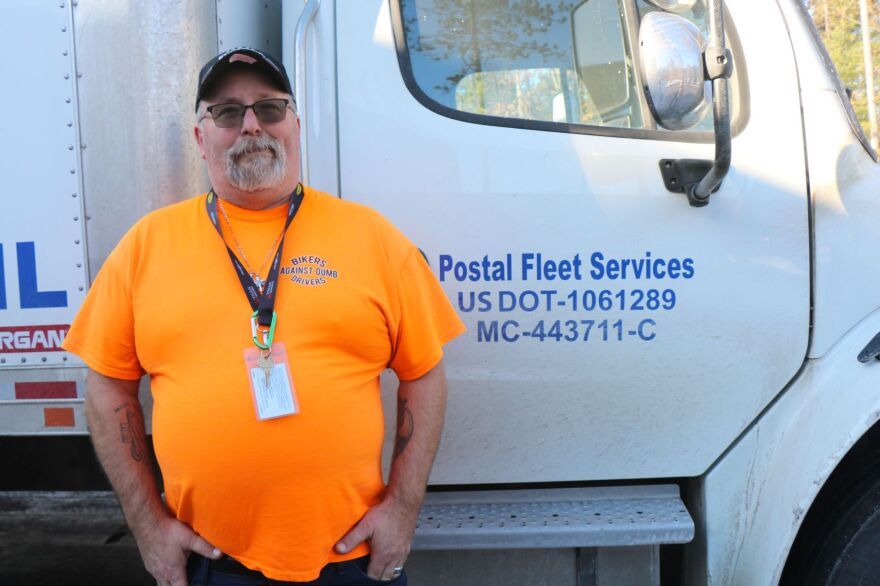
<point x="613" y="330"/>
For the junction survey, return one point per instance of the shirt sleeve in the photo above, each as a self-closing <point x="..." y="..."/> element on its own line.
<point x="426" y="319"/>
<point x="102" y="334"/>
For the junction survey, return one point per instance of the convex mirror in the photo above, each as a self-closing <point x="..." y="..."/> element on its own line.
<point x="671" y="56"/>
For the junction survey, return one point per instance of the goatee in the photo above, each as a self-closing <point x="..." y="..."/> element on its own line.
<point x="254" y="163"/>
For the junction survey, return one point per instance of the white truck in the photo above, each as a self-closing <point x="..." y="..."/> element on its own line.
<point x="665" y="378"/>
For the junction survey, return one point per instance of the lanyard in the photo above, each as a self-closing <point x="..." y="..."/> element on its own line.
<point x="263" y="303"/>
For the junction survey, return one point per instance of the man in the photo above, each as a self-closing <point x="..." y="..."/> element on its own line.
<point x="267" y="420"/>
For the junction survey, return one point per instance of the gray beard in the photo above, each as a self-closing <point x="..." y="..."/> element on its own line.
<point x="257" y="172"/>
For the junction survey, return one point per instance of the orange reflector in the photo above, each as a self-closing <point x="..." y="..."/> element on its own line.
<point x="58" y="417"/>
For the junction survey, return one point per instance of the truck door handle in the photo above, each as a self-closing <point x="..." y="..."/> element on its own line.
<point x="871" y="351"/>
<point x="299" y="78"/>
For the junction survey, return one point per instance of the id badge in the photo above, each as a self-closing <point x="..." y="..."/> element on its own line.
<point x="271" y="383"/>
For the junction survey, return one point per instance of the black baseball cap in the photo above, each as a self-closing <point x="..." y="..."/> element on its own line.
<point x="238" y="58"/>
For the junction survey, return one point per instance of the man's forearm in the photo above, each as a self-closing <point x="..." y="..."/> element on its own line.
<point x="389" y="525"/>
<point x="421" y="407"/>
<point x="116" y="424"/>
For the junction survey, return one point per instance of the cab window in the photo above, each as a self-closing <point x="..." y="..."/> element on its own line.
<point x="554" y="62"/>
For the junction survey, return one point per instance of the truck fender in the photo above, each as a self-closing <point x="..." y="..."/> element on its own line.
<point x="755" y="497"/>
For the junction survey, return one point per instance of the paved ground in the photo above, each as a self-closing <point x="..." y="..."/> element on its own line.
<point x="66" y="539"/>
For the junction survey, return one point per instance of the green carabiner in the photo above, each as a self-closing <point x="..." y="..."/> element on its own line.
<point x="268" y="336"/>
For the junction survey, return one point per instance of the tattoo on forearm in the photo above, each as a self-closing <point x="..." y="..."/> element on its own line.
<point x="130" y="433"/>
<point x="405" y="427"/>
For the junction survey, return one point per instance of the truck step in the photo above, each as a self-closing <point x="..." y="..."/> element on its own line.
<point x="554" y="518"/>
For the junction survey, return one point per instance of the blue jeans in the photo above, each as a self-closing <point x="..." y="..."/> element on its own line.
<point x="349" y="573"/>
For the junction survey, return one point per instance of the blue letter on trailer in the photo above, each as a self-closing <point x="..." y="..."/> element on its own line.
<point x="2" y="281"/>
<point x="31" y="298"/>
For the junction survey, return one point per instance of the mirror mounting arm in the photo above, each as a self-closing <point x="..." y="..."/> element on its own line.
<point x="719" y="65"/>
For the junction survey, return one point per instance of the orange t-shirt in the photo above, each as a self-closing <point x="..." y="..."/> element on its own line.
<point x="354" y="298"/>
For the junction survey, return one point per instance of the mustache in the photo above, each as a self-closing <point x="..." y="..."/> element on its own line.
<point x="253" y="144"/>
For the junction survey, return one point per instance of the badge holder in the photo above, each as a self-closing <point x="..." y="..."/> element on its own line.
<point x="269" y="374"/>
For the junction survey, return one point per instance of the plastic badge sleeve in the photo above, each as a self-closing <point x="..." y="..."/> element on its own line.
<point x="278" y="398"/>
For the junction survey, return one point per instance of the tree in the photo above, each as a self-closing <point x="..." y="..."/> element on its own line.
<point x="840" y="26"/>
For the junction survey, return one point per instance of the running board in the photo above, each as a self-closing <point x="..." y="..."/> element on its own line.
<point x="553" y="518"/>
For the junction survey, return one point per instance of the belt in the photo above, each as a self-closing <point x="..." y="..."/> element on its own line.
<point x="229" y="565"/>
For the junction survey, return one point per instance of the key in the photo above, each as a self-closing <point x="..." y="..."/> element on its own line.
<point x="267" y="363"/>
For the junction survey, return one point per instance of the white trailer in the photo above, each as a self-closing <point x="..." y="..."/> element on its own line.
<point x="644" y="382"/>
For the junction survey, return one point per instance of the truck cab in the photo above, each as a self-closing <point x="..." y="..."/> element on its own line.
<point x="621" y="340"/>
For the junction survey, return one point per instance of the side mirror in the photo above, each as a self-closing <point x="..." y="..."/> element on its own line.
<point x="675" y="63"/>
<point x="600" y="55"/>
<point x="671" y="55"/>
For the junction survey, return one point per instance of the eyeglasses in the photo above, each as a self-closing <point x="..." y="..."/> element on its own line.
<point x="231" y="115"/>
